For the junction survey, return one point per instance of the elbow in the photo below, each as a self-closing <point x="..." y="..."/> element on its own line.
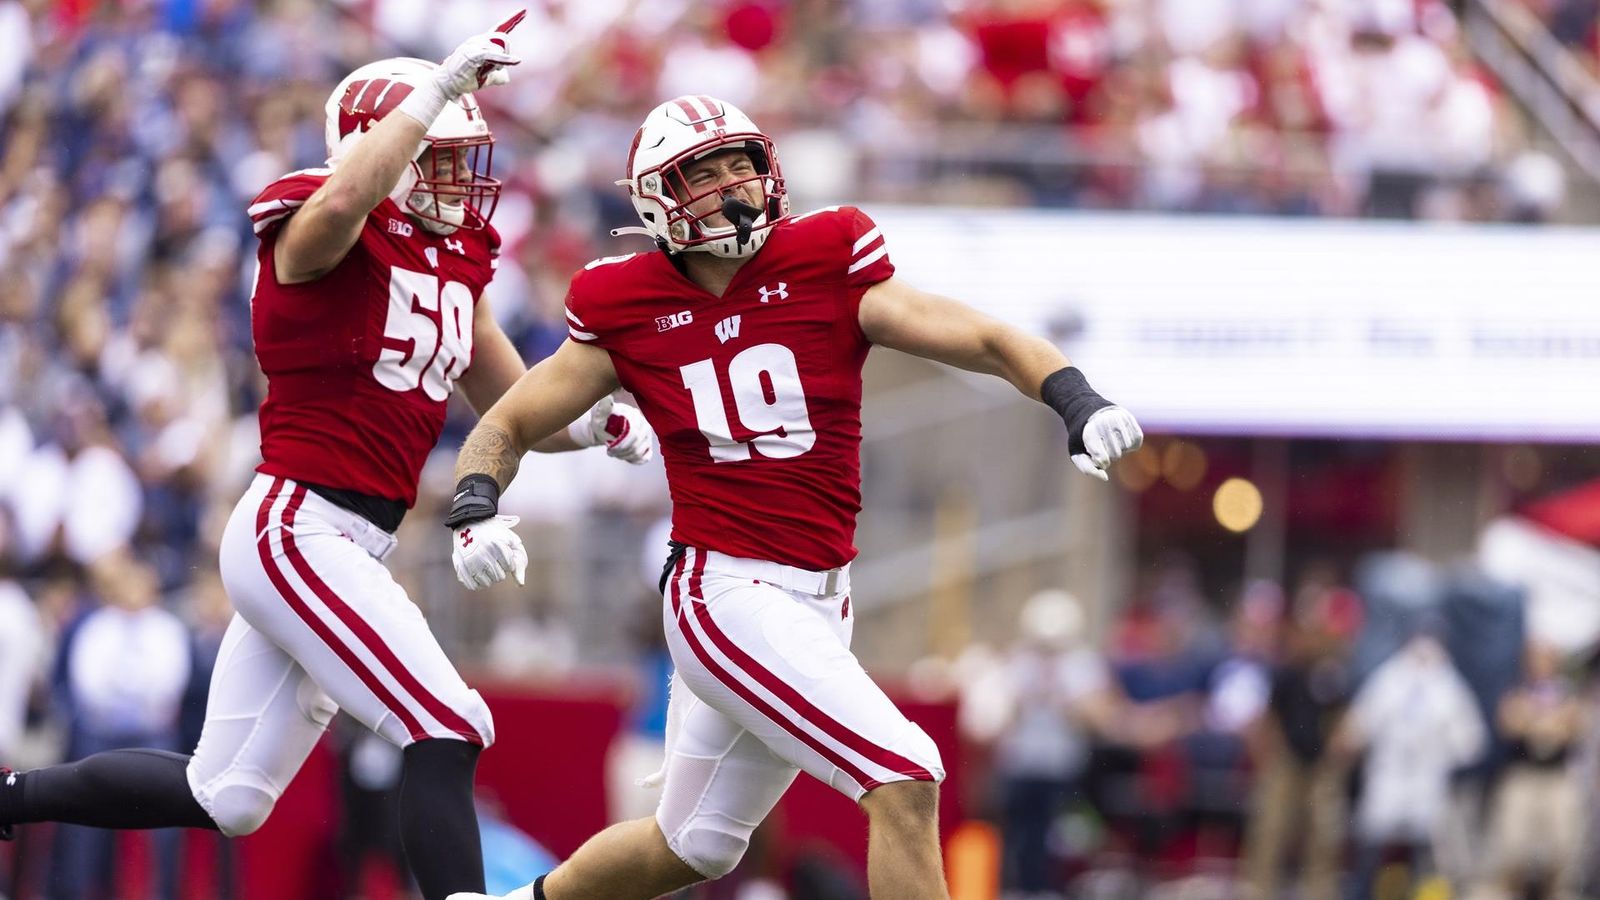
<point x="341" y="205"/>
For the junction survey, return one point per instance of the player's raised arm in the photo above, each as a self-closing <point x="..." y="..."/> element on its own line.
<point x="541" y="403"/>
<point x="318" y="236"/>
<point x="897" y="315"/>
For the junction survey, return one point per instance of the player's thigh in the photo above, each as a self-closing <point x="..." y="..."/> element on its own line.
<point x="263" y="716"/>
<point x="721" y="782"/>
<point x="340" y="614"/>
<point x="778" y="668"/>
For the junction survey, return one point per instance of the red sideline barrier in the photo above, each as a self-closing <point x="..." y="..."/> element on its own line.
<point x="547" y="771"/>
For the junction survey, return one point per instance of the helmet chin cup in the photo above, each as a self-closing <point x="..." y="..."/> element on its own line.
<point x="439" y="218"/>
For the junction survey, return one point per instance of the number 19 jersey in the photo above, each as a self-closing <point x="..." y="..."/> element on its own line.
<point x="755" y="395"/>
<point x="360" y="363"/>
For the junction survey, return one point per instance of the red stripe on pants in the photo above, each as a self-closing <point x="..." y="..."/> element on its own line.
<point x="882" y="756"/>
<point x="866" y="781"/>
<point x="369" y="638"/>
<point x="290" y="596"/>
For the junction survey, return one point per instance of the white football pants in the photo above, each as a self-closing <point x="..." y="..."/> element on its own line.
<point x="319" y="625"/>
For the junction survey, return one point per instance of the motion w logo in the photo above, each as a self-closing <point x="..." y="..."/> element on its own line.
<point x="780" y="293"/>
<point x="728" y="329"/>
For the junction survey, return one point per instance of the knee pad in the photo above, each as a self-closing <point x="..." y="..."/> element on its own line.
<point x="318" y="708"/>
<point x="711" y="845"/>
<point x="240" y="805"/>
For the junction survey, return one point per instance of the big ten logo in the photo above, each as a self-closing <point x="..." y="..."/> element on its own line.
<point x="665" y="323"/>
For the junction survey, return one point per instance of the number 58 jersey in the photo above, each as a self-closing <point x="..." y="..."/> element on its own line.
<point x="755" y="395"/>
<point x="361" y="362"/>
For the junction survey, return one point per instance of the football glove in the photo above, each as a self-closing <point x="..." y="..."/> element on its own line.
<point x="484" y="552"/>
<point x="1110" y="433"/>
<point x="620" y="427"/>
<point x="480" y="61"/>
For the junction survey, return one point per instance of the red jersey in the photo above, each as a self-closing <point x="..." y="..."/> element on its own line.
<point x="755" y="395"/>
<point x="360" y="363"/>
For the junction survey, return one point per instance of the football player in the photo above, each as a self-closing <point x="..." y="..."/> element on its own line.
<point x="367" y="313"/>
<point x="742" y="335"/>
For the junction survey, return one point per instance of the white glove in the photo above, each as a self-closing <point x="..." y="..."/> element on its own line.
<point x="480" y="61"/>
<point x="486" y="551"/>
<point x="620" y="427"/>
<point x="1109" y="434"/>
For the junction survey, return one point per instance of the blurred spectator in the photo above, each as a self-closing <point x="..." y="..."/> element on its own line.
<point x="1237" y="694"/>
<point x="1299" y="797"/>
<point x="128" y="633"/>
<point x="1417" y="722"/>
<point x="1534" y="826"/>
<point x="1061" y="698"/>
<point x="22" y="654"/>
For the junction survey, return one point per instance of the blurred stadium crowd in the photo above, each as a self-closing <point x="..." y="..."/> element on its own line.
<point x="134" y="134"/>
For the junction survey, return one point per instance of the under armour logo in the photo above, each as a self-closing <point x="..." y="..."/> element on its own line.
<point x="466" y="537"/>
<point x="11" y="779"/>
<point x="780" y="293"/>
<point x="455" y="246"/>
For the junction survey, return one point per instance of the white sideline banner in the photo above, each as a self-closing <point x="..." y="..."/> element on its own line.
<point x="1306" y="327"/>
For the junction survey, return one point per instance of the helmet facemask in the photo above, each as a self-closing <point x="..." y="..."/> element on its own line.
<point x="746" y="222"/>
<point x="453" y="188"/>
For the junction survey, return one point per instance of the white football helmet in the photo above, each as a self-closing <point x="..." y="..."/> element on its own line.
<point x="678" y="132"/>
<point x="458" y="192"/>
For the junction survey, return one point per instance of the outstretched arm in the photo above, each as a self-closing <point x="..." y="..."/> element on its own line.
<point x="541" y="403"/>
<point x="496" y="366"/>
<point x="895" y="314"/>
<point x="484" y="548"/>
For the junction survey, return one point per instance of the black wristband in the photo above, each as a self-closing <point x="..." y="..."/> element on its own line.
<point x="1068" y="393"/>
<point x="477" y="497"/>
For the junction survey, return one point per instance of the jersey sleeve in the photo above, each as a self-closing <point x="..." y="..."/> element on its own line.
<point x="868" y="254"/>
<point x="281" y="198"/>
<point x="582" y="311"/>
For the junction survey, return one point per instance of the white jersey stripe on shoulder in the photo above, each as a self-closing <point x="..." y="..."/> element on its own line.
<point x="866" y="239"/>
<point x="813" y="212"/>
<point x="575" y="320"/>
<point x="262" y="223"/>
<point x="584" y="336"/>
<point x="608" y="261"/>
<point x="267" y="206"/>
<point x="867" y="260"/>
